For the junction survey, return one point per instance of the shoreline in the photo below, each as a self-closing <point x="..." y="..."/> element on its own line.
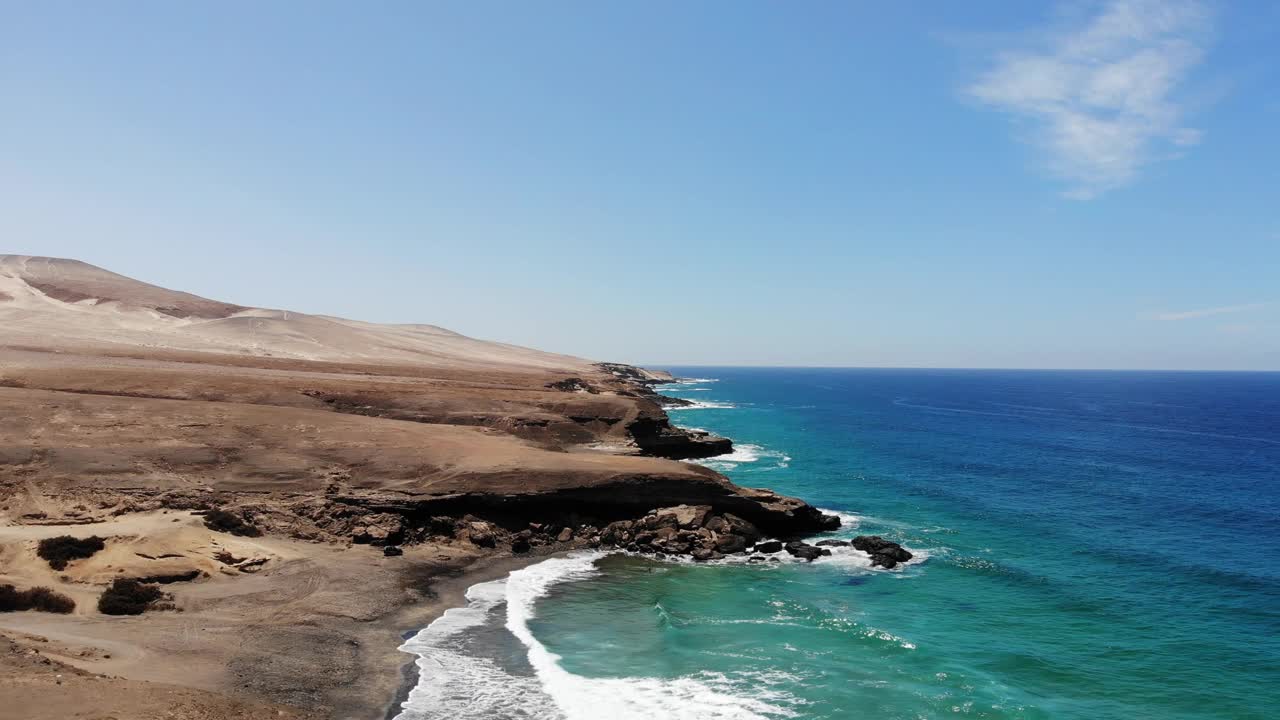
<point x="309" y="614"/>
<point x="451" y="593"/>
<point x="316" y="634"/>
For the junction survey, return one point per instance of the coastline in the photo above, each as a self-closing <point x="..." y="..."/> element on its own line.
<point x="275" y="640"/>
<point x="309" y="615"/>
<point x="450" y="592"/>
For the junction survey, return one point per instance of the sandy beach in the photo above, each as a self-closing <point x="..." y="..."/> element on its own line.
<point x="314" y="633"/>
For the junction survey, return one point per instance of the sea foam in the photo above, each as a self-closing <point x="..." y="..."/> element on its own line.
<point x="702" y="405"/>
<point x="457" y="686"/>
<point x="745" y="453"/>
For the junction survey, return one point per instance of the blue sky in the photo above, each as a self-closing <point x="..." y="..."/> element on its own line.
<point x="989" y="184"/>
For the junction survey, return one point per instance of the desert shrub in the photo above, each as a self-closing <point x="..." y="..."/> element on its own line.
<point x="127" y="596"/>
<point x="63" y="549"/>
<point x="223" y="521"/>
<point x="42" y="599"/>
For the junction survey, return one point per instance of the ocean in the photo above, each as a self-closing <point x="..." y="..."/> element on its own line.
<point x="1088" y="545"/>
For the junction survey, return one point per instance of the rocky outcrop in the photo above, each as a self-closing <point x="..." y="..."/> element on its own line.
<point x="883" y="553"/>
<point x="657" y="437"/>
<point x="573" y="384"/>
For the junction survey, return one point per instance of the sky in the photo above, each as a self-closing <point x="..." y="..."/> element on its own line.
<point x="977" y="184"/>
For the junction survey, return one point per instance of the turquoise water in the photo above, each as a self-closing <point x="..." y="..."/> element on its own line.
<point x="1090" y="545"/>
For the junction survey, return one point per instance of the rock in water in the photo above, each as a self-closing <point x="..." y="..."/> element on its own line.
<point x="884" y="553"/>
<point x="805" y="551"/>
<point x="770" y="546"/>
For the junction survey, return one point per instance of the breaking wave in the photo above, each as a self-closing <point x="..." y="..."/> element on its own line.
<point x="458" y="685"/>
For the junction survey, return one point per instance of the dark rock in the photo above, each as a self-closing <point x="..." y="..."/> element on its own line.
<point x="770" y="546"/>
<point x="738" y="526"/>
<point x="729" y="544"/>
<point x="805" y="551"/>
<point x="613" y="532"/>
<point x="832" y="543"/>
<point x="520" y="541"/>
<point x="703" y="554"/>
<point x="392" y="551"/>
<point x="440" y="525"/>
<point x="669" y="401"/>
<point x="656" y="436"/>
<point x="884" y="553"/>
<point x="572" y="385"/>
<point x="870" y="543"/>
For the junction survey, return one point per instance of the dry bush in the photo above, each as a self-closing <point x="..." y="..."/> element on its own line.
<point x="63" y="549"/>
<point x="42" y="599"/>
<point x="127" y="596"/>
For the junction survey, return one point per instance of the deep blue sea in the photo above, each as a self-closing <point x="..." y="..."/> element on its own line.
<point x="1089" y="545"/>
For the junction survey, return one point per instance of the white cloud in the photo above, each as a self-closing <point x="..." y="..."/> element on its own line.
<point x="1100" y="94"/>
<point x="1206" y="312"/>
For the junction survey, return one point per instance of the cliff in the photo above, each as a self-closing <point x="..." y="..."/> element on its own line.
<point x="131" y="395"/>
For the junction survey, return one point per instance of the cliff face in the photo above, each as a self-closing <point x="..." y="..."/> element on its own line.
<point x="413" y="421"/>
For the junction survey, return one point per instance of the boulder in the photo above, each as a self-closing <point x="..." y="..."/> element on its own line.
<point x="392" y="551"/>
<point x="665" y="533"/>
<point x="379" y="529"/>
<point x="738" y="526"/>
<point x="832" y="543"/>
<point x="613" y="532"/>
<point x="565" y="535"/>
<point x="441" y="525"/>
<point x="805" y="551"/>
<point x="480" y="533"/>
<point x="884" y="553"/>
<point x="729" y="544"/>
<point x="769" y="546"/>
<point x="685" y="517"/>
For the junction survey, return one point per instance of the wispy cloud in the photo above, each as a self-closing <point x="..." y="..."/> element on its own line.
<point x="1207" y="312"/>
<point x="1100" y="93"/>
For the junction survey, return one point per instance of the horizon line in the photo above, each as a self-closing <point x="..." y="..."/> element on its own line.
<point x="977" y="368"/>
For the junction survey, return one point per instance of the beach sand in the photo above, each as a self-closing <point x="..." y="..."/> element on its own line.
<point x="313" y="633"/>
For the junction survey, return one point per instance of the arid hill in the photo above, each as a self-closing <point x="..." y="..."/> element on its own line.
<point x="121" y="389"/>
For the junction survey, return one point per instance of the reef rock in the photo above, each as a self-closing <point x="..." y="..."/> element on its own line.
<point x="884" y="553"/>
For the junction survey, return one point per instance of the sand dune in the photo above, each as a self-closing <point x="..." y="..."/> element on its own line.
<point x="53" y="302"/>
